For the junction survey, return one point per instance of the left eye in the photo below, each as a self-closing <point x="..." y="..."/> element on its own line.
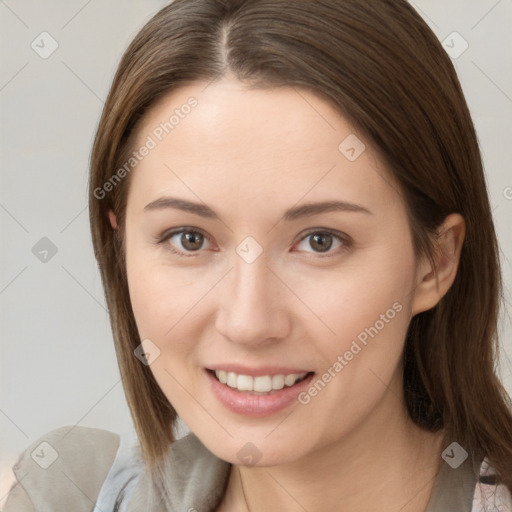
<point x="321" y="241"/>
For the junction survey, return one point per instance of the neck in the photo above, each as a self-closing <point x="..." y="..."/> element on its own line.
<point x="387" y="460"/>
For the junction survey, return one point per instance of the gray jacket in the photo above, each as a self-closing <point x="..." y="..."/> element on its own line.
<point x="82" y="469"/>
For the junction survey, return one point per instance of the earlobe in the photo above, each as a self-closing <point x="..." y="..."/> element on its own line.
<point x="113" y="219"/>
<point x="434" y="282"/>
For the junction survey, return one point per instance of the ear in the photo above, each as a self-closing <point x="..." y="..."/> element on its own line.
<point x="113" y="219"/>
<point x="434" y="282"/>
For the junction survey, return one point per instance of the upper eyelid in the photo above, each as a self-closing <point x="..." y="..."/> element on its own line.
<point x="176" y="231"/>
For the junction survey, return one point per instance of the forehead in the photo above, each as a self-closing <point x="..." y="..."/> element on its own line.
<point x="226" y="140"/>
<point x="229" y="111"/>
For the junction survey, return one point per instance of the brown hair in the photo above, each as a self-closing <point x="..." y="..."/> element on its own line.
<point x="381" y="66"/>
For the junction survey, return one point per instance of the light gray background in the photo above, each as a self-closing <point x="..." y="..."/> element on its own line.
<point x="58" y="364"/>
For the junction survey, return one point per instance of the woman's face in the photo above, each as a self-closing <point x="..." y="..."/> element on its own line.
<point x="266" y="243"/>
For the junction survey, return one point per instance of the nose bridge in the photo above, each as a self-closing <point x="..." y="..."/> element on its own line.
<point x="251" y="284"/>
<point x="252" y="309"/>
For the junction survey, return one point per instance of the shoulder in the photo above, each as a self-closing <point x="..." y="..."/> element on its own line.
<point x="63" y="470"/>
<point x="489" y="495"/>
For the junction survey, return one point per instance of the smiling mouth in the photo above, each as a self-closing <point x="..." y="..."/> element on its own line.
<point x="260" y="385"/>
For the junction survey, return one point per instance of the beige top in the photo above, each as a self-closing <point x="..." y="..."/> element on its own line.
<point x="82" y="469"/>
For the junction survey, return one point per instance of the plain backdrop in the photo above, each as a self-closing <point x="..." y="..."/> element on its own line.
<point x="58" y="364"/>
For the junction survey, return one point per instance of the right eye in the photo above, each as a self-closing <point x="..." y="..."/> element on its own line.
<point x="184" y="240"/>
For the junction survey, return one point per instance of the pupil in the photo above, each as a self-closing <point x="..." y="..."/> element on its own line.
<point x="322" y="242"/>
<point x="192" y="241"/>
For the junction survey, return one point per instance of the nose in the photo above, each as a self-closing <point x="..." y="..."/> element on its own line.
<point x="253" y="305"/>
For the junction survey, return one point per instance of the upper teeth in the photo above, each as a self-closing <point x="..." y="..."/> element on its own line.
<point x="261" y="384"/>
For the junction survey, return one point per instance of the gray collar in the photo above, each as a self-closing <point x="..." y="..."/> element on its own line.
<point x="454" y="488"/>
<point x="196" y="480"/>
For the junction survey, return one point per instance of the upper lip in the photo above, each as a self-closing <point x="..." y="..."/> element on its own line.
<point x="257" y="371"/>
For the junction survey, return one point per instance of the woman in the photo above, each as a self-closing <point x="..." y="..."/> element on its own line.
<point x="291" y="221"/>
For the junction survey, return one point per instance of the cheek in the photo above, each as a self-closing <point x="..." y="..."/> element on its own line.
<point x="361" y="324"/>
<point x="361" y="361"/>
<point x="372" y="290"/>
<point x="160" y="294"/>
<point x="163" y="300"/>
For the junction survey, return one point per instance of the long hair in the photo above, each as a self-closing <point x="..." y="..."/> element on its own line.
<point x="380" y="65"/>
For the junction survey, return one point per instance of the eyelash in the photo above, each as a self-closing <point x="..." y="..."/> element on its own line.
<point x="345" y="240"/>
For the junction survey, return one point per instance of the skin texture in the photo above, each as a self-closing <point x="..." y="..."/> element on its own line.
<point x="250" y="155"/>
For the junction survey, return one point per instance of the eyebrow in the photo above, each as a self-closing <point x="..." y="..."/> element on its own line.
<point x="296" y="212"/>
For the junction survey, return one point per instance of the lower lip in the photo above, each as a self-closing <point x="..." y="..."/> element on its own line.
<point x="256" y="405"/>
